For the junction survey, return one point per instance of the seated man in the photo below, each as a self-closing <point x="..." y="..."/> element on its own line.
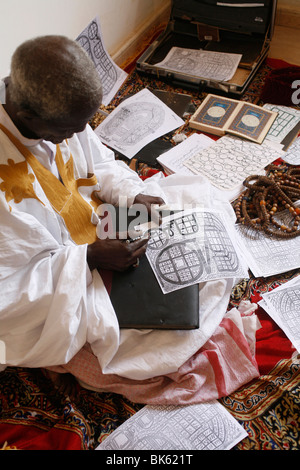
<point x="54" y="174"/>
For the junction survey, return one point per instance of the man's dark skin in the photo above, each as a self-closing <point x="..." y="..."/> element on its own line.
<point x="111" y="254"/>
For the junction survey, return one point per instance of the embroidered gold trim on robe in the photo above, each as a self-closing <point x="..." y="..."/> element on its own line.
<point x="63" y="196"/>
<point x="17" y="183"/>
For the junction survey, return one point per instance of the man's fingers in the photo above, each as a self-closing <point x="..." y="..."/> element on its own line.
<point x="138" y="243"/>
<point x="137" y="249"/>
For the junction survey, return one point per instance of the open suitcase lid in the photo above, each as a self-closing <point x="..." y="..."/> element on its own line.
<point x="243" y="27"/>
<point x="242" y="16"/>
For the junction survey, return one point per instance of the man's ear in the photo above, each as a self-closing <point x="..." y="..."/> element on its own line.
<point x="26" y="115"/>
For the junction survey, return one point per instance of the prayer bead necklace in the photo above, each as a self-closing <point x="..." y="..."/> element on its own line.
<point x="265" y="199"/>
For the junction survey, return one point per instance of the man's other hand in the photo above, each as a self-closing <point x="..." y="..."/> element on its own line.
<point x="115" y="254"/>
<point x="148" y="201"/>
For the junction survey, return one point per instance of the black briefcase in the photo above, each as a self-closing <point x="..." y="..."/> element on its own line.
<point x="234" y="26"/>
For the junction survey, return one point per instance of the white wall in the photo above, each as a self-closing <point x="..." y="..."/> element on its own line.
<point x="23" y="19"/>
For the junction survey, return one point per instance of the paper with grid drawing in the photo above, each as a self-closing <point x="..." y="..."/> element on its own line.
<point x="230" y="160"/>
<point x="191" y="247"/>
<point x="292" y="156"/>
<point x="173" y="159"/>
<point x="287" y="119"/>
<point x="136" y="122"/>
<point x="111" y="75"/>
<point x="208" y="426"/>
<point x="283" y="305"/>
<point x="265" y="255"/>
<point x="205" y="64"/>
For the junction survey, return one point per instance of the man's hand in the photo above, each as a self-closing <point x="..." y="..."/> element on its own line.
<point x="148" y="201"/>
<point x="115" y="254"/>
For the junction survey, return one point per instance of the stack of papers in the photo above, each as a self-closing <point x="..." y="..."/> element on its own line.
<point x="292" y="156"/>
<point x="226" y="163"/>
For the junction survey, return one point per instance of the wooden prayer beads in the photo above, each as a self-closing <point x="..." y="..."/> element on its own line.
<point x="265" y="203"/>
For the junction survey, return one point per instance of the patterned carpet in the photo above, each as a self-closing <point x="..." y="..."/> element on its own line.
<point x="269" y="410"/>
<point x="269" y="407"/>
<point x="35" y="416"/>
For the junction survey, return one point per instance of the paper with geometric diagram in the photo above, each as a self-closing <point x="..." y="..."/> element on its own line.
<point x="283" y="304"/>
<point x="292" y="155"/>
<point x="111" y="75"/>
<point x="265" y="255"/>
<point x="218" y="66"/>
<point x="191" y="247"/>
<point x="287" y="120"/>
<point x="207" y="426"/>
<point x="173" y="159"/>
<point x="137" y="121"/>
<point x="230" y="160"/>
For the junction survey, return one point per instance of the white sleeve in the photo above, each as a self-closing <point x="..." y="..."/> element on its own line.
<point x="116" y="179"/>
<point x="47" y="310"/>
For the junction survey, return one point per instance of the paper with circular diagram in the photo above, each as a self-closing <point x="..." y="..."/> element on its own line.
<point x="111" y="75"/>
<point x="227" y="162"/>
<point x="217" y="66"/>
<point x="207" y="426"/>
<point x="137" y="121"/>
<point x="282" y="304"/>
<point x="192" y="247"/>
<point x="266" y="255"/>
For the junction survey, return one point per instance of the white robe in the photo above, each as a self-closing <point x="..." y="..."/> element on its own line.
<point x="50" y="302"/>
